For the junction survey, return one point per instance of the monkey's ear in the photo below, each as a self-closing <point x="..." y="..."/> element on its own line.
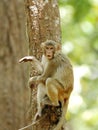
<point x="58" y="46"/>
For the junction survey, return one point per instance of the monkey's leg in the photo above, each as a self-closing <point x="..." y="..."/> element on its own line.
<point x="62" y="119"/>
<point x="41" y="92"/>
<point x="52" y="91"/>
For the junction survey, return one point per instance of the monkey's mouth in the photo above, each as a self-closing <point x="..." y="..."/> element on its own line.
<point x="49" y="56"/>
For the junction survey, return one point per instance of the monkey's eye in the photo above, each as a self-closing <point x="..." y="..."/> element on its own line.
<point x="51" y="48"/>
<point x="47" y="47"/>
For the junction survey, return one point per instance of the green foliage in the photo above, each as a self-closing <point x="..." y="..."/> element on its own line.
<point x="82" y="8"/>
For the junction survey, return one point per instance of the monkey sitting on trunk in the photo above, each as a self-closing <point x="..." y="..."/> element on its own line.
<point x="56" y="79"/>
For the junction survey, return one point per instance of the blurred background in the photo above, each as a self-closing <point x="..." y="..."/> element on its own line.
<point x="79" y="23"/>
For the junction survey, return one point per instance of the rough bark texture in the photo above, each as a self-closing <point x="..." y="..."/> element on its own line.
<point x="13" y="77"/>
<point x="43" y="22"/>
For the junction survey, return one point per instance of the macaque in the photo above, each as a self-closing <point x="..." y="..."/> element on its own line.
<point x="55" y="83"/>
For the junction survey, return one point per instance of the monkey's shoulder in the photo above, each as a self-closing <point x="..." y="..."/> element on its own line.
<point x="62" y="59"/>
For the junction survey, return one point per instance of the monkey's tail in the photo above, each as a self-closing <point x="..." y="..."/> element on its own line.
<point x="62" y="119"/>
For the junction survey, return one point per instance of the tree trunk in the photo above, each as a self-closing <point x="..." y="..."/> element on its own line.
<point x="43" y="22"/>
<point x="13" y="77"/>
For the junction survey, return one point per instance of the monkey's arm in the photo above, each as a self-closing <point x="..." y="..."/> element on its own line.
<point x="36" y="63"/>
<point x="48" y="72"/>
<point x="27" y="58"/>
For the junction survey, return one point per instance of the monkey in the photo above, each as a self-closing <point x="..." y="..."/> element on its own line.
<point x="56" y="79"/>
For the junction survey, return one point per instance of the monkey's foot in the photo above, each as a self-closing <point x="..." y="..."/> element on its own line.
<point x="46" y="101"/>
<point x="37" y="116"/>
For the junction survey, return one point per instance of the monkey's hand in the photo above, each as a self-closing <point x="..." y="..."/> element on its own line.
<point x="35" y="63"/>
<point x="41" y="79"/>
<point x="32" y="80"/>
<point x="27" y="58"/>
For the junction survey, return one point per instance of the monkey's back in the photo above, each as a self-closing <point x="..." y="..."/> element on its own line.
<point x="64" y="72"/>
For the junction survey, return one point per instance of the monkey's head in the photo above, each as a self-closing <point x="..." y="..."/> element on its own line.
<point x="50" y="48"/>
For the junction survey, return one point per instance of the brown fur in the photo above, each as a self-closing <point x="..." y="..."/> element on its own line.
<point x="56" y="80"/>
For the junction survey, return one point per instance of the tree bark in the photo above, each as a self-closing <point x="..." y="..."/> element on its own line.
<point x="13" y="77"/>
<point x="43" y="22"/>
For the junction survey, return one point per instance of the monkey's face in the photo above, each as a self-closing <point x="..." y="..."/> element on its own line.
<point x="49" y="51"/>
